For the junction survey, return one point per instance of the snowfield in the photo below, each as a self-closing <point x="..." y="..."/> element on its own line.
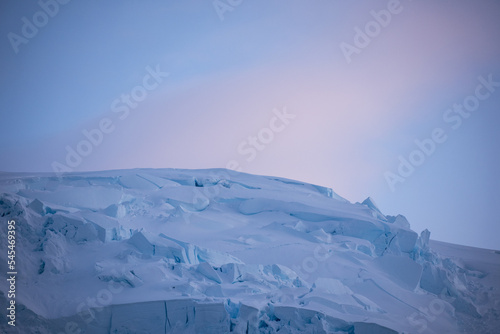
<point x="216" y="251"/>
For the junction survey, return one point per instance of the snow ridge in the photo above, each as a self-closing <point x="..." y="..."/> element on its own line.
<point x="216" y="251"/>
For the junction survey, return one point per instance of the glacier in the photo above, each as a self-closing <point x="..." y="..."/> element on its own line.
<point x="219" y="251"/>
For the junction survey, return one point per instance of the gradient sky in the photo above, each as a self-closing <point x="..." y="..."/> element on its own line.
<point x="352" y="120"/>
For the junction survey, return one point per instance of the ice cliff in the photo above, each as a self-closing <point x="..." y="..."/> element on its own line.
<point x="216" y="251"/>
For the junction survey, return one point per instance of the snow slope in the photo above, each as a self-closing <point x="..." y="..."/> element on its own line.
<point x="216" y="251"/>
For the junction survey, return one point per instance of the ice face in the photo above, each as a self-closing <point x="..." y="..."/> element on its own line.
<point x="216" y="251"/>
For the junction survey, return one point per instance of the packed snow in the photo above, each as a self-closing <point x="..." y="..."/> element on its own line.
<point x="217" y="251"/>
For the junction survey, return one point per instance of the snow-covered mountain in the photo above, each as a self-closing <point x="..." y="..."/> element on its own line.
<point x="216" y="251"/>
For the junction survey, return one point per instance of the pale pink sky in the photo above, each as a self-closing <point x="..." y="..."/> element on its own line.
<point x="352" y="121"/>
